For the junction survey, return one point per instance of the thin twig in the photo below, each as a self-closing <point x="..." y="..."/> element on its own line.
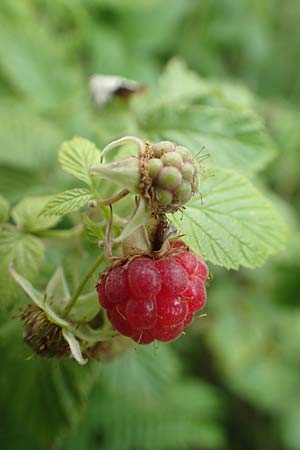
<point x="115" y="198"/>
<point x="83" y="283"/>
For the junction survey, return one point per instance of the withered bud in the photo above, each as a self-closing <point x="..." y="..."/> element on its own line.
<point x="43" y="336"/>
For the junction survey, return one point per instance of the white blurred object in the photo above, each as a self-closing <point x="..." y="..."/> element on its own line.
<point x="104" y="87"/>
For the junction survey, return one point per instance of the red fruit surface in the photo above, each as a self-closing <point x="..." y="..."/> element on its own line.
<point x="195" y="294"/>
<point x="141" y="314"/>
<point x="144" y="278"/>
<point x="144" y="337"/>
<point x="202" y="270"/>
<point x="174" y="278"/>
<point x="148" y="299"/>
<point x="117" y="286"/>
<point x="188" y="261"/>
<point x="119" y="321"/>
<point x="188" y="320"/>
<point x="171" y="310"/>
<point x="167" y="334"/>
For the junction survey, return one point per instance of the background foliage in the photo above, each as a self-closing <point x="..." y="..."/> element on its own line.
<point x="233" y="382"/>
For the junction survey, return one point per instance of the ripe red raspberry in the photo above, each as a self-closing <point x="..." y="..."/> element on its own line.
<point x="141" y="314"/>
<point x="174" y="279"/>
<point x="195" y="294"/>
<point x="188" y="260"/>
<point x="144" y="337"/>
<point x="103" y="298"/>
<point x="148" y="299"/>
<point x="170" y="310"/>
<point x="116" y="314"/>
<point x="117" y="286"/>
<point x="166" y="334"/>
<point x="144" y="278"/>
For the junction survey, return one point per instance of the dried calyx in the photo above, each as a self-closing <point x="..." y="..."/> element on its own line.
<point x="43" y="336"/>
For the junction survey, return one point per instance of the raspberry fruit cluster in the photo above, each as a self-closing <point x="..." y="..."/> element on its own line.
<point x="148" y="299"/>
<point x="174" y="175"/>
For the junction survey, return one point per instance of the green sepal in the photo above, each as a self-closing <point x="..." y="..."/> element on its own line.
<point x="140" y="217"/>
<point x="57" y="293"/>
<point x="75" y="328"/>
<point x="125" y="173"/>
<point x="36" y="296"/>
<point x="74" y="347"/>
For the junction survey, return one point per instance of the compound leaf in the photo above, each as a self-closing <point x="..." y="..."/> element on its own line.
<point x="27" y="214"/>
<point x="235" y="226"/>
<point x="77" y="156"/>
<point x="66" y="202"/>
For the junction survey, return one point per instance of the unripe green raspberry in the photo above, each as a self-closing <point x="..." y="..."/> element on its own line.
<point x="169" y="177"/>
<point x="163" y="197"/>
<point x="188" y="171"/>
<point x="173" y="176"/>
<point x="154" y="167"/>
<point x="184" y="192"/>
<point x="184" y="152"/>
<point x="164" y="174"/>
<point x="163" y="147"/>
<point x="172" y="159"/>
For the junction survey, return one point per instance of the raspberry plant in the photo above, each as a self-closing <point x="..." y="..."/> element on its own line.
<point x="153" y="211"/>
<point x="158" y="396"/>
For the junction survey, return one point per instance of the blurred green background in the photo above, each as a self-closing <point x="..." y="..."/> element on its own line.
<point x="234" y="381"/>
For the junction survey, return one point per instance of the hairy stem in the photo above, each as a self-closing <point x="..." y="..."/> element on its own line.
<point x="60" y="234"/>
<point x="115" y="198"/>
<point x="84" y="281"/>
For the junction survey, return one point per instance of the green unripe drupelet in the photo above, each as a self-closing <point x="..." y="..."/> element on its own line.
<point x="172" y="159"/>
<point x="169" y="178"/>
<point x="154" y="167"/>
<point x="184" y="153"/>
<point x="163" y="147"/>
<point x="187" y="171"/>
<point x="174" y="176"/>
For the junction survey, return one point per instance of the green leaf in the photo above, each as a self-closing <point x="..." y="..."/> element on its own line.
<point x="91" y="230"/>
<point x="28" y="65"/>
<point x="235" y="225"/>
<point x="178" y="83"/>
<point x="77" y="156"/>
<point x="23" y="251"/>
<point x="52" y="397"/>
<point x="66" y="202"/>
<point x="27" y="214"/>
<point x="234" y="139"/>
<point x="28" y="141"/>
<point x="4" y="210"/>
<point x="149" y="407"/>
